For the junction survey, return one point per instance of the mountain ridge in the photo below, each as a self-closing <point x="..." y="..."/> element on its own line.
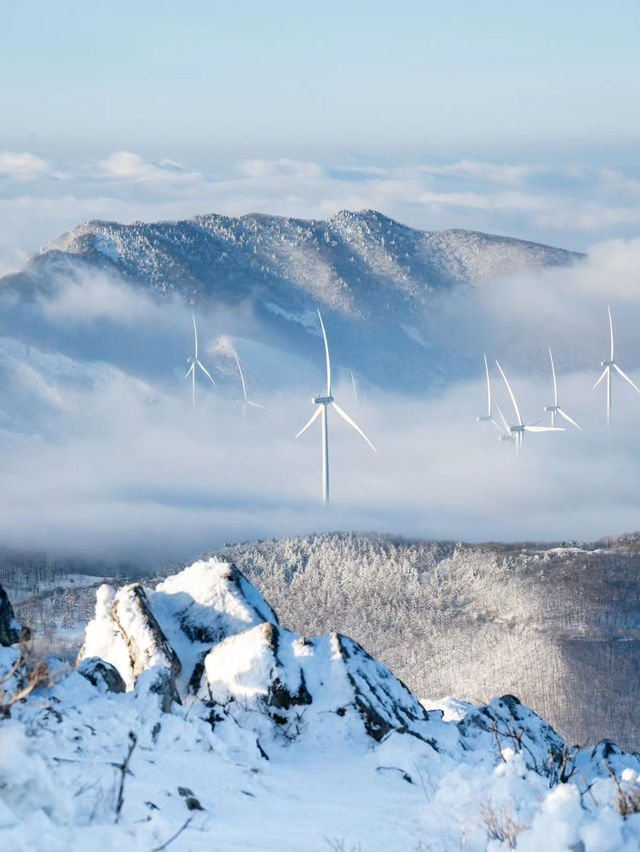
<point x="375" y="280"/>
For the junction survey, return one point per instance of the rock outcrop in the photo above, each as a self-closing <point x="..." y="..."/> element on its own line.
<point x="11" y="631"/>
<point x="295" y="681"/>
<point x="175" y="625"/>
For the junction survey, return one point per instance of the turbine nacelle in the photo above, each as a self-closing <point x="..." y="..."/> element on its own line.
<point x="552" y="409"/>
<point x="485" y="418"/>
<point x="607" y="363"/>
<point x="322" y="400"/>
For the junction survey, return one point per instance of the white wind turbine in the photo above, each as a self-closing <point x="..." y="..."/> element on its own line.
<point x="520" y="428"/>
<point x="608" y="367"/>
<point x="323" y="402"/>
<point x="488" y="417"/>
<point x="555" y="409"/>
<point x="245" y="399"/>
<point x="195" y="362"/>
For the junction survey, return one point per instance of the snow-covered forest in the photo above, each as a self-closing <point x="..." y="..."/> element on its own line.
<point x="555" y="625"/>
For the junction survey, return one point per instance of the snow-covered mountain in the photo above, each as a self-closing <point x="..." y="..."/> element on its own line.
<point x="194" y="719"/>
<point x="377" y="281"/>
<point x="354" y="263"/>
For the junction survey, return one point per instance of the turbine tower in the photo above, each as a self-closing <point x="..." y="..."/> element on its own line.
<point x="195" y="362"/>
<point x="555" y="409"/>
<point x="608" y="367"/>
<point x="323" y="403"/>
<point x="518" y="429"/>
<point x="245" y="399"/>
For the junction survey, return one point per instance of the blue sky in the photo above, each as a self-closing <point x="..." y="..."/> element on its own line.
<point x="519" y="118"/>
<point x="203" y="79"/>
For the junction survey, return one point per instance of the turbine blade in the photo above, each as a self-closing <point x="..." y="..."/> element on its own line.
<point x="190" y="370"/>
<point x="513" y="399"/>
<point x="205" y="371"/>
<point x="507" y="428"/>
<point x="195" y="337"/>
<point x="254" y="404"/>
<point x="626" y="378"/>
<point x="244" y="387"/>
<point x="351" y="422"/>
<point x="568" y="419"/>
<point x="610" y="330"/>
<point x="326" y="350"/>
<point x="555" y="383"/>
<point x="544" y="429"/>
<point x="314" y="416"/>
<point x="496" y="424"/>
<point x="604" y="373"/>
<point x="486" y="369"/>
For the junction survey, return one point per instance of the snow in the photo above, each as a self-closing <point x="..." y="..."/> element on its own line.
<point x="277" y="748"/>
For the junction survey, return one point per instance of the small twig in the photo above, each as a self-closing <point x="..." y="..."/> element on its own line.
<point x="124" y="769"/>
<point x="173" y="837"/>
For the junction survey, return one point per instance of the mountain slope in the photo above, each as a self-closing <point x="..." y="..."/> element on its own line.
<point x="352" y="263"/>
<point x="376" y="280"/>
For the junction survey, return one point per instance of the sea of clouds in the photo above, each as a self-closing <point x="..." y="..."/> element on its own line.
<point x="102" y="454"/>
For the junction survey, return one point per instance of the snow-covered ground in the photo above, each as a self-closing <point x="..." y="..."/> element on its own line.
<point x="194" y="721"/>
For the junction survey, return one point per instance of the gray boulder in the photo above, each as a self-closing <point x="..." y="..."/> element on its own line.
<point x="101" y="674"/>
<point x="11" y="631"/>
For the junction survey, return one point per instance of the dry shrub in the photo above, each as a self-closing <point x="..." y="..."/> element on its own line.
<point x="26" y="674"/>
<point x="628" y="796"/>
<point x="501" y="823"/>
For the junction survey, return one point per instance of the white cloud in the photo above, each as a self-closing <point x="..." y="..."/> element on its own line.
<point x="125" y="165"/>
<point x="282" y="167"/>
<point x="484" y="171"/>
<point x="99" y="297"/>
<point x="520" y="201"/>
<point x="478" y="195"/>
<point x="21" y="166"/>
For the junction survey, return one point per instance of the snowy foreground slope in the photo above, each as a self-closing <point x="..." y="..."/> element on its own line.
<point x="194" y="721"/>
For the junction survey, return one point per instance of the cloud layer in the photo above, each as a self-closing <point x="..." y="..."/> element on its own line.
<point x="107" y="464"/>
<point x="572" y="206"/>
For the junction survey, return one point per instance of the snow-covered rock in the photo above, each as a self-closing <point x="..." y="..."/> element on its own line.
<point x="174" y="625"/>
<point x="296" y="681"/>
<point x="101" y="674"/>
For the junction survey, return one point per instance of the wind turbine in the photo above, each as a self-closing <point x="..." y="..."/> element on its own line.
<point x="520" y="428"/>
<point x="195" y="362"/>
<point x="555" y="409"/>
<point x="323" y="402"/>
<point x="245" y="399"/>
<point x="608" y="367"/>
<point x="488" y="417"/>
